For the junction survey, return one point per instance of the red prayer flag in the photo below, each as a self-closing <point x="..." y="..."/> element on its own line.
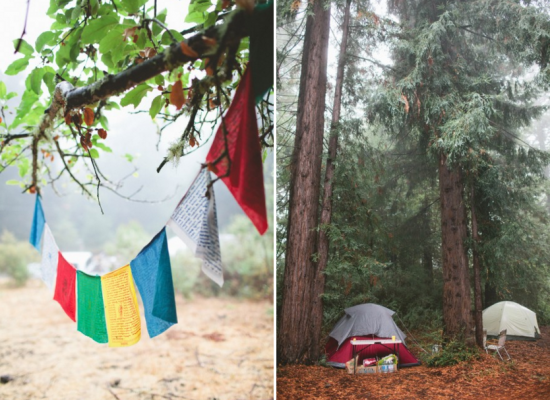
<point x="245" y="180"/>
<point x="65" y="287"/>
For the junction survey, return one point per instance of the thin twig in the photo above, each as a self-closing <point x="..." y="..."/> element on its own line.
<point x="24" y="28"/>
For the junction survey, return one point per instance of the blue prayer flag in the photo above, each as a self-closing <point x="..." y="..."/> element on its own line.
<point x="153" y="277"/>
<point x="38" y="222"/>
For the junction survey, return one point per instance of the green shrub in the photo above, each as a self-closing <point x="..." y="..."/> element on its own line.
<point x="452" y="353"/>
<point x="15" y="255"/>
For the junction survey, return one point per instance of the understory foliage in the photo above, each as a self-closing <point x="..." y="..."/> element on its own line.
<point x="15" y="255"/>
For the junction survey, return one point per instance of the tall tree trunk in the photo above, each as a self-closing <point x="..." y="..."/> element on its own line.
<point x="294" y="334"/>
<point x="478" y="307"/>
<point x="328" y="188"/>
<point x="456" y="283"/>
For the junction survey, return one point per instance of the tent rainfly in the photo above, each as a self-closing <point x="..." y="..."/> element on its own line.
<point x="365" y="321"/>
<point x="520" y="322"/>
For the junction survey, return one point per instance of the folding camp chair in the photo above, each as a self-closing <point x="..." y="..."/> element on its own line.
<point x="496" y="347"/>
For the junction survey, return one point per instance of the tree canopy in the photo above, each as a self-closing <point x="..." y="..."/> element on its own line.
<point x="97" y="50"/>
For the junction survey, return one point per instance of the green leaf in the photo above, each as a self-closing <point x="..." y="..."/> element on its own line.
<point x="166" y="39"/>
<point x="12" y="182"/>
<point x="11" y="95"/>
<point x="135" y="95"/>
<point x="34" y="80"/>
<point x="113" y="42"/>
<point x="49" y="81"/>
<point x="3" y="90"/>
<point x="23" y="165"/>
<point x="159" y="79"/>
<point x="156" y="106"/>
<point x="101" y="146"/>
<point x="195" y="17"/>
<point x="24" y="48"/>
<point x="98" y="28"/>
<point x="46" y="38"/>
<point x="132" y="6"/>
<point x="129" y="157"/>
<point x="200" y="6"/>
<point x="17" y="66"/>
<point x="94" y="153"/>
<point x="211" y="19"/>
<point x="27" y="102"/>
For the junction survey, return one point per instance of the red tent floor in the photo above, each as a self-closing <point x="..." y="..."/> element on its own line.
<point x="337" y="357"/>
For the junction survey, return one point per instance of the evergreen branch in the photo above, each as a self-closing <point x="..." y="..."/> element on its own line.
<point x="373" y="62"/>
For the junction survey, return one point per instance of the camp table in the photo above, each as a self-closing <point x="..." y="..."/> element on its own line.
<point x="368" y="343"/>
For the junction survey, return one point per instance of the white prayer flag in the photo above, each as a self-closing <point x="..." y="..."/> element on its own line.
<point x="195" y="221"/>
<point x="50" y="253"/>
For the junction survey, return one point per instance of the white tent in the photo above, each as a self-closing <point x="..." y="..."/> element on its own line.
<point x="516" y="319"/>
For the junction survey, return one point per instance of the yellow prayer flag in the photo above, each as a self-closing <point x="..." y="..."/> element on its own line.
<point x="121" y="308"/>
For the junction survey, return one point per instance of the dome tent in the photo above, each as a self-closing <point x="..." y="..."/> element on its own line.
<point x="520" y="322"/>
<point x="366" y="321"/>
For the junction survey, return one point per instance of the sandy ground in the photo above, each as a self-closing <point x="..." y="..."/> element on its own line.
<point x="220" y="349"/>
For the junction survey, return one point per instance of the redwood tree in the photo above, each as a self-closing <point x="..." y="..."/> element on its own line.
<point x="295" y="337"/>
<point x="328" y="185"/>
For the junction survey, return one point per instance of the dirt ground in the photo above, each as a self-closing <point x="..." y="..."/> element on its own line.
<point x="220" y="349"/>
<point x="526" y="377"/>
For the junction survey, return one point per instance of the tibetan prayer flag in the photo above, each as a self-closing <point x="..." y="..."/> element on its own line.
<point x="50" y="252"/>
<point x="195" y="221"/>
<point x="38" y="222"/>
<point x="121" y="308"/>
<point x="153" y="276"/>
<point x="91" y="312"/>
<point x="65" y="286"/>
<point x="240" y="130"/>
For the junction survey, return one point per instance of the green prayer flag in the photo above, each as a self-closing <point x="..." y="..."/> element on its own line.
<point x="90" y="309"/>
<point x="261" y="30"/>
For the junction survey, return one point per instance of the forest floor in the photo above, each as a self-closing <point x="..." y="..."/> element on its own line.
<point x="526" y="377"/>
<point x="222" y="348"/>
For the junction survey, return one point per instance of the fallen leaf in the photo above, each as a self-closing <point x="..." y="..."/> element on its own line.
<point x="88" y="116"/>
<point x="188" y="51"/>
<point x="176" y="96"/>
<point x="192" y="141"/>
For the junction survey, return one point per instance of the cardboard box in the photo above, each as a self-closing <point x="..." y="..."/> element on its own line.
<point x="367" y="370"/>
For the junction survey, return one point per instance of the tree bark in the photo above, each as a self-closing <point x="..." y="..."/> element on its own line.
<point x="294" y="334"/>
<point x="478" y="307"/>
<point x="456" y="283"/>
<point x="328" y="187"/>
